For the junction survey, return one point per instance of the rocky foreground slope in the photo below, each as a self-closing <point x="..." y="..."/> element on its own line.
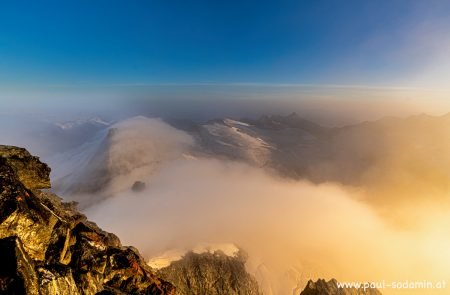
<point x="48" y="247"/>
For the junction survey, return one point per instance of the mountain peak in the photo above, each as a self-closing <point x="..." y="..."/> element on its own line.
<point x="210" y="272"/>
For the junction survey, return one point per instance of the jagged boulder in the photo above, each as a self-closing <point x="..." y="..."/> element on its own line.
<point x="48" y="247"/>
<point x="322" y="287"/>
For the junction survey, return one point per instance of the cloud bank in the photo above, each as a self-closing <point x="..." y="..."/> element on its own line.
<point x="292" y="230"/>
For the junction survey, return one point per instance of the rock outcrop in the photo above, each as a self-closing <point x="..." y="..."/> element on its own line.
<point x="322" y="287"/>
<point x="31" y="172"/>
<point x="138" y="186"/>
<point x="210" y="274"/>
<point x="48" y="247"/>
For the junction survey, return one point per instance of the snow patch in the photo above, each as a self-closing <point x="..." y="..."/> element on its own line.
<point x="234" y="122"/>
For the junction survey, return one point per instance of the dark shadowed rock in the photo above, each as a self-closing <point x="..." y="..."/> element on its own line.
<point x="322" y="287"/>
<point x="138" y="186"/>
<point x="48" y="247"/>
<point x="17" y="275"/>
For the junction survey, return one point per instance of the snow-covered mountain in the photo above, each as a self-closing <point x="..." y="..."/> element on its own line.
<point x="94" y="121"/>
<point x="351" y="155"/>
<point x="125" y="152"/>
<point x="236" y="140"/>
<point x="46" y="137"/>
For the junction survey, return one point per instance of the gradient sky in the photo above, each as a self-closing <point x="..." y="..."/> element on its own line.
<point x="387" y="43"/>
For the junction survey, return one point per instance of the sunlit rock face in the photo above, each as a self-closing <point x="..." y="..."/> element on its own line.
<point x="48" y="247"/>
<point x="208" y="271"/>
<point x="322" y="287"/>
<point x="31" y="172"/>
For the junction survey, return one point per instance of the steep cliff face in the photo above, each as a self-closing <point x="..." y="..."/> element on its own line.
<point x="322" y="287"/>
<point x="210" y="274"/>
<point x="48" y="247"/>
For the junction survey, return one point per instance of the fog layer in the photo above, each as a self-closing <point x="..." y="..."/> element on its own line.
<point x="292" y="230"/>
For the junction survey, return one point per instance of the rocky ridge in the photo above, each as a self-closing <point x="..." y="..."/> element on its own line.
<point x="48" y="247"/>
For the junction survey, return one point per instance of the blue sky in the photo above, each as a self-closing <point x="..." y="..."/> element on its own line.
<point x="374" y="43"/>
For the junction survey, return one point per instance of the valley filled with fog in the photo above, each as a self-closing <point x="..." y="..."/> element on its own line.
<point x="367" y="201"/>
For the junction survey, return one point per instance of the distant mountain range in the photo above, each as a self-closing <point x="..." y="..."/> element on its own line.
<point x="392" y="152"/>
